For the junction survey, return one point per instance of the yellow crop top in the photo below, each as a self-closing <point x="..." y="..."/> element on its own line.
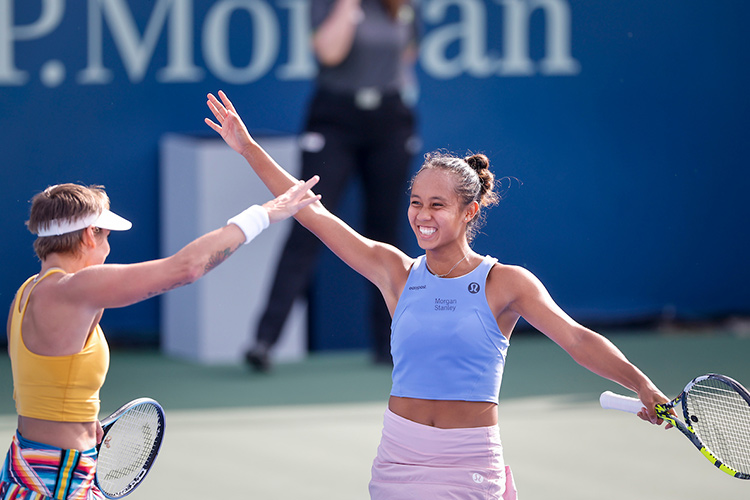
<point x="58" y="388"/>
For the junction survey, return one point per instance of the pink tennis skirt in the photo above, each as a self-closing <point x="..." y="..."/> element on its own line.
<point x="416" y="461"/>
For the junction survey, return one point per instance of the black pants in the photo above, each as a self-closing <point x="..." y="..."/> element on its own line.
<point x="341" y="141"/>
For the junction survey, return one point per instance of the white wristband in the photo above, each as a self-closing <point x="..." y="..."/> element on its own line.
<point x="251" y="221"/>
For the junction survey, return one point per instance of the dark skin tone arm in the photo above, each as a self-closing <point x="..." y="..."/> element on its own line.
<point x="512" y="292"/>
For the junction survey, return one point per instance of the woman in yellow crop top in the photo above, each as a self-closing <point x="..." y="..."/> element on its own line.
<point x="58" y="352"/>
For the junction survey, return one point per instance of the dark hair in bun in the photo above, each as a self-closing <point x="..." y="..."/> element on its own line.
<point x="474" y="182"/>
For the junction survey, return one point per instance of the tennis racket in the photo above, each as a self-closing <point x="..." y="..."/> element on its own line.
<point x="131" y="442"/>
<point x="716" y="412"/>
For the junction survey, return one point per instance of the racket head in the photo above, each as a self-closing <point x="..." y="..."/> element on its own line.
<point x="716" y="410"/>
<point x="132" y="439"/>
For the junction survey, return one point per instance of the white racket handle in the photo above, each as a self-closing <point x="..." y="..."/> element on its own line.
<point x="611" y="401"/>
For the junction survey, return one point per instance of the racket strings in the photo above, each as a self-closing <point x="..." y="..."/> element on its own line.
<point x="127" y="447"/>
<point x="720" y="417"/>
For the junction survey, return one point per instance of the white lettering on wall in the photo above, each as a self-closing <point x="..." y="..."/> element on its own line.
<point x="51" y="14"/>
<point x="137" y="51"/>
<point x="558" y="59"/>
<point x="450" y="47"/>
<point x="301" y="65"/>
<point x="470" y="33"/>
<point x="264" y="45"/>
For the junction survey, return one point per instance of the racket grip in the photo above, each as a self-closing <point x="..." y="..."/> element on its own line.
<point x="611" y="401"/>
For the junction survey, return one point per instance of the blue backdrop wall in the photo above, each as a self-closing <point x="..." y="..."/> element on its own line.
<point x="624" y="123"/>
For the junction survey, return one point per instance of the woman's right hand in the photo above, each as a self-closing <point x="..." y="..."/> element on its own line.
<point x="293" y="200"/>
<point x="231" y="128"/>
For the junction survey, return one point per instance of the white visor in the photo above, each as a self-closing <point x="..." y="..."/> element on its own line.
<point x="105" y="220"/>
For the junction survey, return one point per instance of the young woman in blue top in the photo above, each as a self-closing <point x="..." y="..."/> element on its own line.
<point x="440" y="436"/>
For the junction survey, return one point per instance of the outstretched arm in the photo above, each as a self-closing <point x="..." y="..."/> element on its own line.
<point x="590" y="349"/>
<point x="112" y="285"/>
<point x="382" y="264"/>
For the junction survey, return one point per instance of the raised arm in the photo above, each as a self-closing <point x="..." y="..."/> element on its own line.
<point x="111" y="285"/>
<point x="232" y="129"/>
<point x="382" y="264"/>
<point x="591" y="350"/>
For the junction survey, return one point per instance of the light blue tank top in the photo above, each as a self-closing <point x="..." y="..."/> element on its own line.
<point x="445" y="341"/>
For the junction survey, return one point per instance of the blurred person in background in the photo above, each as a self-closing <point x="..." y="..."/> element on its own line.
<point x="360" y="122"/>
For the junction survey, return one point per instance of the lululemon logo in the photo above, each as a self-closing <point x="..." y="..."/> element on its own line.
<point x="478" y="478"/>
<point x="474" y="287"/>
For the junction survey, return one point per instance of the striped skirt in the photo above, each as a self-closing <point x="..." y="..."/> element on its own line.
<point x="416" y="461"/>
<point x="36" y="471"/>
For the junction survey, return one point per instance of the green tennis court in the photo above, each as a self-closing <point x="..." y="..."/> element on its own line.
<point x="309" y="430"/>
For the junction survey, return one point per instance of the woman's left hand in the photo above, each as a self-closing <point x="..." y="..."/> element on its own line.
<point x="650" y="398"/>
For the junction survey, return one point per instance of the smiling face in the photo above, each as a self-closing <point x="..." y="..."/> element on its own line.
<point x="436" y="214"/>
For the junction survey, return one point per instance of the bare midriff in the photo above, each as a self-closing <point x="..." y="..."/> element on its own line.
<point x="445" y="414"/>
<point x="66" y="435"/>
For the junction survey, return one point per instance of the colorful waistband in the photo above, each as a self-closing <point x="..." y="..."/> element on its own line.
<point x="36" y="471"/>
